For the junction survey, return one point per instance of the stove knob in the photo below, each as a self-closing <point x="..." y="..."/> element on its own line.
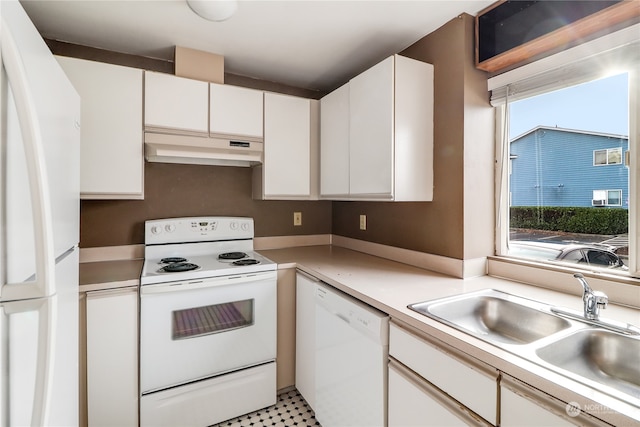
<point x="156" y="229"/>
<point x="170" y="228"/>
<point x="245" y="226"/>
<point x="234" y="225"/>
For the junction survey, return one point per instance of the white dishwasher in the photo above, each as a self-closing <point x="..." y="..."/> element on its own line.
<point x="352" y="347"/>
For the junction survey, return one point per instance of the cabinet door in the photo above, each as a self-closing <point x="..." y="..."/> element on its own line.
<point x="112" y="358"/>
<point x="371" y="132"/>
<point x="306" y="337"/>
<point x="466" y="379"/>
<point x="522" y="405"/>
<point x="413" y="143"/>
<point x="175" y="104"/>
<point x="334" y="143"/>
<point x="111" y="153"/>
<point x="415" y="402"/>
<point x="236" y="111"/>
<point x="287" y="146"/>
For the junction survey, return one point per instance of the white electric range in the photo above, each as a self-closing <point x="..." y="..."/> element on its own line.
<point x="207" y="322"/>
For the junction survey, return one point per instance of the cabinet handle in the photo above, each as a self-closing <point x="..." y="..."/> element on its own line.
<point x="547" y="402"/>
<point x="307" y="275"/>
<point x="453" y="406"/>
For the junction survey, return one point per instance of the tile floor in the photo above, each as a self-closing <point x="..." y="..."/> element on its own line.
<point x="290" y="410"/>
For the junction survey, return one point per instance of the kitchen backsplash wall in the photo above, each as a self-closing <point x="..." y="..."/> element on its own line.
<point x="173" y="190"/>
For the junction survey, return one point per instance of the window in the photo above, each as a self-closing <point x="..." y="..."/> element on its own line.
<point x="212" y="319"/>
<point x="607" y="198"/>
<point x="553" y="126"/>
<point x="611" y="156"/>
<point x="556" y="138"/>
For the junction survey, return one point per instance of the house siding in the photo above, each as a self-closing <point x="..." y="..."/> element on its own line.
<point x="554" y="167"/>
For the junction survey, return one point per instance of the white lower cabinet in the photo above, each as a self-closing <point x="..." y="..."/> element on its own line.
<point x="112" y="357"/>
<point x="524" y="406"/>
<point x="306" y="337"/>
<point x="462" y="385"/>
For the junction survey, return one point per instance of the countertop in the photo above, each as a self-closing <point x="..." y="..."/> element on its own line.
<point x="390" y="286"/>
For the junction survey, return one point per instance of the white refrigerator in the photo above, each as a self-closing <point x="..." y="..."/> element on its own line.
<point x="39" y="229"/>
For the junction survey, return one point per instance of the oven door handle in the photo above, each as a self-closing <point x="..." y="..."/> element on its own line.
<point x="208" y="282"/>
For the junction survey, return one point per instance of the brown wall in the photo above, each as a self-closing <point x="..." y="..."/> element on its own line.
<point x="173" y="190"/>
<point x="435" y="227"/>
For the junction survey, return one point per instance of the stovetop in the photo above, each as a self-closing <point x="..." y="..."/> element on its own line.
<point x="209" y="265"/>
<point x="184" y="249"/>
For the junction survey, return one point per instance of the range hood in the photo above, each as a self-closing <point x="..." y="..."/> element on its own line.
<point x="200" y="150"/>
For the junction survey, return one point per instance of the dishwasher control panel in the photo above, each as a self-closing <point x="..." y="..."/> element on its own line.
<point x="369" y="320"/>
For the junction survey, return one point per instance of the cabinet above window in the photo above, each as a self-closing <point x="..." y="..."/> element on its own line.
<point x="512" y="32"/>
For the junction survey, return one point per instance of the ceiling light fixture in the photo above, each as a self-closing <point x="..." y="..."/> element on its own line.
<point x="214" y="10"/>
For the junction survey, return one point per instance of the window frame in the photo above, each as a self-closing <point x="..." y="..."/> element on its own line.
<point x="607" y="197"/>
<point x="607" y="154"/>
<point x="503" y="194"/>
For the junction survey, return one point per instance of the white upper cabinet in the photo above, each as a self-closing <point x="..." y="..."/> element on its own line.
<point x="290" y="129"/>
<point x="236" y="111"/>
<point x="334" y="140"/>
<point x="112" y="154"/>
<point x="176" y="104"/>
<point x="371" y="132"/>
<point x="390" y="134"/>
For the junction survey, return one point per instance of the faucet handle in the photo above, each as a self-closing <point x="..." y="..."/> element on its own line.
<point x="601" y="299"/>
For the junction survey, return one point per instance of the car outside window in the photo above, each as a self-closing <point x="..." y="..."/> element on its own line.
<point x="575" y="256"/>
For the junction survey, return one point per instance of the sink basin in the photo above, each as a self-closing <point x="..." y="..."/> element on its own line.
<point x="602" y="356"/>
<point x="494" y="316"/>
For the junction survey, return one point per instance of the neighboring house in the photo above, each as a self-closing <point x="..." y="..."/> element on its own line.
<point x="564" y="167"/>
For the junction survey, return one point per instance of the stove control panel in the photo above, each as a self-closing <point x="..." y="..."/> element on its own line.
<point x="203" y="226"/>
<point x="198" y="229"/>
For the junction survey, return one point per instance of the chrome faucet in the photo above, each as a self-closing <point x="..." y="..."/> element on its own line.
<point x="593" y="300"/>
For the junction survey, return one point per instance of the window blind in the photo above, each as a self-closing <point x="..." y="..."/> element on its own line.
<point x="618" y="51"/>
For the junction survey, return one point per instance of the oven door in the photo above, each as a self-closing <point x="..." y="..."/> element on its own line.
<point x="197" y="329"/>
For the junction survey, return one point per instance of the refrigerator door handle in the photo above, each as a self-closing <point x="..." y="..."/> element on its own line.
<point x="44" y="283"/>
<point x="44" y="371"/>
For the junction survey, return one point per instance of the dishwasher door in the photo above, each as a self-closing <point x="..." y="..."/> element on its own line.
<point x="351" y="358"/>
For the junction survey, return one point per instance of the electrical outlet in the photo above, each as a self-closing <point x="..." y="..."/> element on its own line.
<point x="363" y="222"/>
<point x="297" y="218"/>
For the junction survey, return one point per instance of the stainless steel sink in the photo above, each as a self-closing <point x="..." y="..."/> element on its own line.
<point x="494" y="316"/>
<point x="602" y="356"/>
<point x="600" y="353"/>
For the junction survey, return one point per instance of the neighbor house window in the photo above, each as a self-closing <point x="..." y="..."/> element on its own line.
<point x="552" y="127"/>
<point x="611" y="156"/>
<point x="607" y="198"/>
